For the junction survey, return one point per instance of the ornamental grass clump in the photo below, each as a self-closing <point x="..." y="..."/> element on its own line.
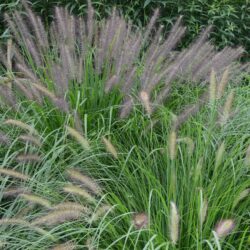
<point x="75" y="174"/>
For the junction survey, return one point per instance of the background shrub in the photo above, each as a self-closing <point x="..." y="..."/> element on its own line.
<point x="231" y="19"/>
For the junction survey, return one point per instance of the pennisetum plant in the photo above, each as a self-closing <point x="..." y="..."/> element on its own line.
<point x="78" y="73"/>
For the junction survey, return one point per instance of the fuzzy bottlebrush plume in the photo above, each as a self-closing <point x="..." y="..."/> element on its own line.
<point x="14" y="174"/>
<point x="223" y="83"/>
<point x="4" y="139"/>
<point x="174" y="223"/>
<point x="79" y="138"/>
<point x="224" y="227"/>
<point x="203" y="208"/>
<point x="241" y="196"/>
<point x="77" y="190"/>
<point x="212" y="86"/>
<point x="14" y="192"/>
<point x="219" y="155"/>
<point x="58" y="102"/>
<point x="10" y="221"/>
<point x="7" y="96"/>
<point x="226" y="112"/>
<point x="140" y="220"/>
<point x="65" y="246"/>
<point x="29" y="93"/>
<point x="198" y="170"/>
<point x="28" y="158"/>
<point x="9" y="54"/>
<point x="30" y="139"/>
<point x="78" y="122"/>
<point x="146" y="101"/>
<point x="73" y="206"/>
<point x="36" y="200"/>
<point x="57" y="217"/>
<point x="172" y="146"/>
<point x="110" y="147"/>
<point x="203" y="212"/>
<point x="89" y="183"/>
<point x="116" y="46"/>
<point x="21" y="125"/>
<point x="247" y="158"/>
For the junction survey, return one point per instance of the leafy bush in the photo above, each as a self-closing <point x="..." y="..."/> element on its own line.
<point x="92" y="179"/>
<point x="231" y="19"/>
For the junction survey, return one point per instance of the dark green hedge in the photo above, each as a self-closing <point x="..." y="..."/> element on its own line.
<point x="231" y="18"/>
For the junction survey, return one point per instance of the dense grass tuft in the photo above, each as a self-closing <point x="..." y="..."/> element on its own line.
<point x="111" y="139"/>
